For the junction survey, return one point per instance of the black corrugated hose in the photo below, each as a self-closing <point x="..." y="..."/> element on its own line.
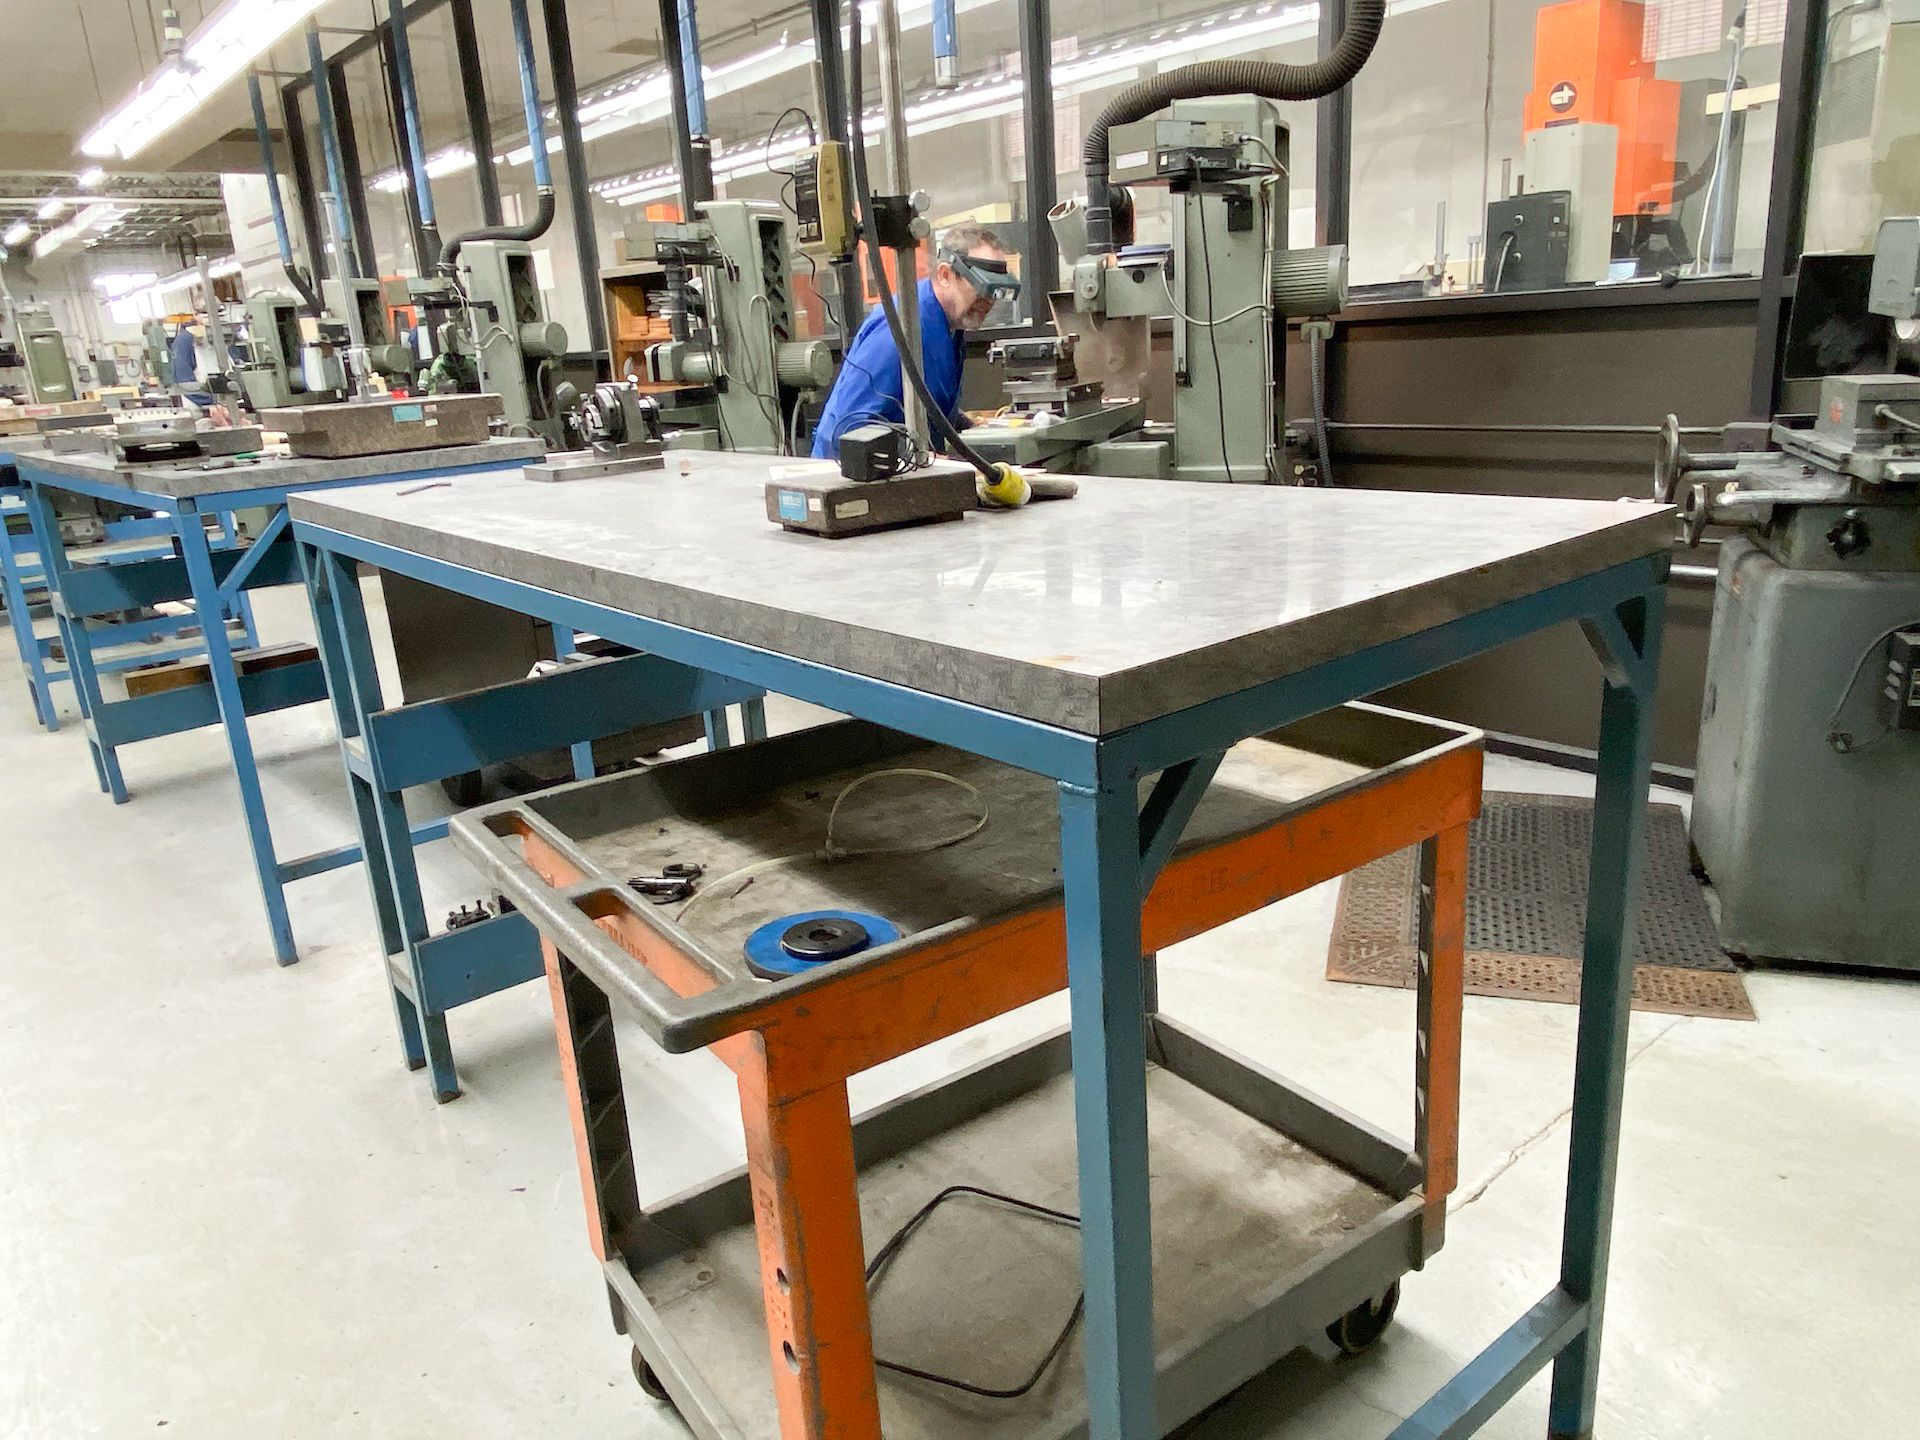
<point x="542" y="218"/>
<point x="1266" y="78"/>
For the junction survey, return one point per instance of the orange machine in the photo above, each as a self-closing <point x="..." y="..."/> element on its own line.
<point x="1589" y="65"/>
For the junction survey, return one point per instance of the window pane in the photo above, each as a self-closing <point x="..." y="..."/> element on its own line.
<point x="1866" y="115"/>
<point x="1101" y="48"/>
<point x="1460" y="102"/>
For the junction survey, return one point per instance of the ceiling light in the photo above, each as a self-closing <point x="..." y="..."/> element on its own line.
<point x="220" y="48"/>
<point x="442" y="162"/>
<point x="16" y="233"/>
<point x="52" y="209"/>
<point x="92" y="177"/>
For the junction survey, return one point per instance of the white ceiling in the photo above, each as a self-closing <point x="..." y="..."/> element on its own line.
<point x="87" y="55"/>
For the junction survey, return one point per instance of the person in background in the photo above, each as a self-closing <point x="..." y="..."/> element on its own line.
<point x="182" y="353"/>
<point x="970" y="276"/>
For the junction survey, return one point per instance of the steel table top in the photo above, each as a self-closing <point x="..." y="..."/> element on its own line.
<point x="1138" y="599"/>
<point x="193" y="479"/>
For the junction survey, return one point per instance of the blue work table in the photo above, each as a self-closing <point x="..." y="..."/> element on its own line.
<point x="124" y="540"/>
<point x="1132" y="635"/>
<point x="190" y="552"/>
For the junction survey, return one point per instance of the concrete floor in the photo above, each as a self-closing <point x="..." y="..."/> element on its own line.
<point x="226" y="1210"/>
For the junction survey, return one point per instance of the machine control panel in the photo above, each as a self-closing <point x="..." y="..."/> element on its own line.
<point x="1900" y="694"/>
<point x="820" y="200"/>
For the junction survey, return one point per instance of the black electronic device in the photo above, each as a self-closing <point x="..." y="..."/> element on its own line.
<point x="1527" y="241"/>
<point x="873" y="452"/>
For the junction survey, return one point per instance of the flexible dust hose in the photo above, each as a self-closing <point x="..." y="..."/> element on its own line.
<point x="1266" y="78"/>
<point x="295" y="276"/>
<point x="1317" y="384"/>
<point x="536" y="138"/>
<point x="910" y="367"/>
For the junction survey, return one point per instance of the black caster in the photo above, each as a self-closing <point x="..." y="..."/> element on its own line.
<point x="466" y="790"/>
<point x="648" y="1379"/>
<point x="1357" y="1331"/>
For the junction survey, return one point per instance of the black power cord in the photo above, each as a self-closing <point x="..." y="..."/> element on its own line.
<point x="1213" y="337"/>
<point x="863" y="191"/>
<point x="891" y="1250"/>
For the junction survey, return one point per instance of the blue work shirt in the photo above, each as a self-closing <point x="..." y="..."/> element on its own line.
<point x="869" y="387"/>
<point x="186" y="363"/>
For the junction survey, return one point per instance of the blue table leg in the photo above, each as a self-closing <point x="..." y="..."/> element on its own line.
<point x="753" y="719"/>
<point x="719" y="729"/>
<point x="210" y="606"/>
<point x="20" y="616"/>
<point x="1100" y="863"/>
<point x="564" y="641"/>
<point x="76" y="640"/>
<point x="242" y="606"/>
<point x="386" y="837"/>
<point x="1628" y="643"/>
<point x="373" y="850"/>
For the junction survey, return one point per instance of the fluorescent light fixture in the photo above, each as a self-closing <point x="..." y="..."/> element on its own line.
<point x="441" y="162"/>
<point x="52" y="209"/>
<point x="98" y="217"/>
<point x="16" y="233"/>
<point x="648" y="98"/>
<point x="92" y="178"/>
<point x="118" y="284"/>
<point x="220" y="47"/>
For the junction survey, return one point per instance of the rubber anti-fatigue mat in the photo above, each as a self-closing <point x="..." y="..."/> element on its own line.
<point x="1526" y="913"/>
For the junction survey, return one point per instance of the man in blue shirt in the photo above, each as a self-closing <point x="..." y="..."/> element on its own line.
<point x="969" y="275"/>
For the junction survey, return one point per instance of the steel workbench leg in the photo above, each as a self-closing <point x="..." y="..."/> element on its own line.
<point x="351" y="725"/>
<point x="32" y="661"/>
<point x="75" y="639"/>
<point x="812" y="1261"/>
<point x="581" y="752"/>
<point x="1441" y="989"/>
<point x="242" y="606"/>
<point x="1628" y="644"/>
<point x="210" y="606"/>
<point x="1100" y="863"/>
<point x="753" y="719"/>
<point x="387" y="811"/>
<point x="719" y="729"/>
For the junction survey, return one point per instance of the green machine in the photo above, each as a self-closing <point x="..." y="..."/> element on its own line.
<point x="44" y="350"/>
<point x="1224" y="275"/>
<point x="1808" y="777"/>
<point x="739" y="368"/>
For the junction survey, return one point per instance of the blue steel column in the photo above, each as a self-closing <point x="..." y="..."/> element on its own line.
<point x="210" y="605"/>
<point x="54" y="568"/>
<point x="388" y="812"/>
<point x="1100" y="863"/>
<point x="351" y="723"/>
<point x="1630" y="653"/>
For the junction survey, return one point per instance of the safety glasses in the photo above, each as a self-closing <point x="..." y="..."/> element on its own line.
<point x="991" y="279"/>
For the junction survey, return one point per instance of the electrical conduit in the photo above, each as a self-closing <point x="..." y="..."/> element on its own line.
<point x="302" y="286"/>
<point x="536" y="138"/>
<point x="416" y="139"/>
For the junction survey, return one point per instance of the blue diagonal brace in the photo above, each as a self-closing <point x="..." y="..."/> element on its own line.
<point x="1170" y="805"/>
<point x="237" y="578"/>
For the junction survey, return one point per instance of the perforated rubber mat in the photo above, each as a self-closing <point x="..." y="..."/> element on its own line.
<point x="1526" y="913"/>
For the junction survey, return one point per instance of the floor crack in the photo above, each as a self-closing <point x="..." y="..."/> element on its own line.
<point x="1514" y="1155"/>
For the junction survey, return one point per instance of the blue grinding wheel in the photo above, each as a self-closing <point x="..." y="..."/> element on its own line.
<point x="771" y="959"/>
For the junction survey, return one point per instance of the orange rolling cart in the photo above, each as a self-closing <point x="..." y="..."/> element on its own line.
<point x="772" y="1302"/>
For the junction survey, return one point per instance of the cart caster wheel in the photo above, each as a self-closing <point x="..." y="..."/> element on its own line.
<point x="465" y="790"/>
<point x="1356" y="1332"/>
<point x="648" y="1379"/>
